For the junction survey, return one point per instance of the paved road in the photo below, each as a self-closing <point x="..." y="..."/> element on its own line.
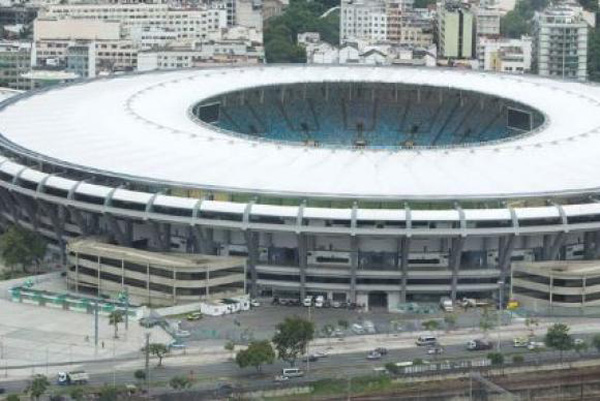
<point x="341" y="365"/>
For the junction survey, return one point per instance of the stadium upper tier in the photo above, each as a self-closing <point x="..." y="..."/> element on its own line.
<point x="368" y="115"/>
<point x="142" y="128"/>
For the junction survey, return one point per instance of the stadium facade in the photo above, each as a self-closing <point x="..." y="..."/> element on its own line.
<point x="432" y="184"/>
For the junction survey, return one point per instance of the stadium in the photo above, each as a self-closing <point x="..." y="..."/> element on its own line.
<point x="374" y="185"/>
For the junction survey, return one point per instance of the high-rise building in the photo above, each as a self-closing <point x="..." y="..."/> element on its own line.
<point x="455" y="30"/>
<point x="560" y="47"/>
<point x="488" y="20"/>
<point x="363" y="20"/>
<point x="15" y="60"/>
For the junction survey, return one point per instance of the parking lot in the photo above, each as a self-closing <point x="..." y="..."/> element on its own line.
<point x="260" y="322"/>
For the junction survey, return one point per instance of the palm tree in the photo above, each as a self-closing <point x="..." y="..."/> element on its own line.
<point x="114" y="319"/>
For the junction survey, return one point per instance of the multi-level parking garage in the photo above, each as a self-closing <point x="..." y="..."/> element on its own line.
<point x="433" y="182"/>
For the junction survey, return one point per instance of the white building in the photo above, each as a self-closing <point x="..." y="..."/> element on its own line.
<point x="363" y="20"/>
<point x="505" y="55"/>
<point x="190" y="23"/>
<point x="151" y="37"/>
<point x="487" y="21"/>
<point x="560" y="47"/>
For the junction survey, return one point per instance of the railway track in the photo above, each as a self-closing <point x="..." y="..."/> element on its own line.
<point x="563" y="385"/>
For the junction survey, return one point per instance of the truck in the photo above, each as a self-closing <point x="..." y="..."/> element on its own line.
<point x="473" y="302"/>
<point x="446" y="304"/>
<point x="478" y="345"/>
<point x="74" y="377"/>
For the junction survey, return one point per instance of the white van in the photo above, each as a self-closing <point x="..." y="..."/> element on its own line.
<point x="319" y="301"/>
<point x="426" y="340"/>
<point x="308" y="301"/>
<point x="292" y="372"/>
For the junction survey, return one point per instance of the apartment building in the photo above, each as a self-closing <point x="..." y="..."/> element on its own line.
<point x="455" y="31"/>
<point x="560" y="46"/>
<point x="192" y="23"/>
<point x="15" y="60"/>
<point x="505" y="55"/>
<point x="363" y="20"/>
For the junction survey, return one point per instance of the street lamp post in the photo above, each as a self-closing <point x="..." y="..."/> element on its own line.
<point x="500" y="303"/>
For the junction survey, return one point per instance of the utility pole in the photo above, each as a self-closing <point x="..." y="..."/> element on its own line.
<point x="147" y="349"/>
<point x="96" y="325"/>
<point x="500" y="310"/>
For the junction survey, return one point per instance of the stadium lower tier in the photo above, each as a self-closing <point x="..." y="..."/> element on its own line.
<point x="357" y="261"/>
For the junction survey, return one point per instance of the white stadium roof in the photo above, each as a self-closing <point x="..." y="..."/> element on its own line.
<point x="139" y="126"/>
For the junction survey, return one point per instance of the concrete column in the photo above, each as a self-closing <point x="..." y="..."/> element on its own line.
<point x="148" y="283"/>
<point x="302" y="262"/>
<point x="174" y="286"/>
<point x="588" y="245"/>
<point x="557" y="244"/>
<point x="98" y="285"/>
<point x="547" y="245"/>
<point x="405" y="249"/>
<point x="505" y="256"/>
<point x="455" y="257"/>
<point x="76" y="272"/>
<point x="252" y="245"/>
<point x="353" y="266"/>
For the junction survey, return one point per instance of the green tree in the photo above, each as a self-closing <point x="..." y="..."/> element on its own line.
<point x="114" y="319"/>
<point x="37" y="386"/>
<point x="140" y="375"/>
<point x="496" y="358"/>
<point x="292" y="338"/>
<point x="280" y="34"/>
<point x="558" y="338"/>
<point x="13" y="397"/>
<point x="431" y="325"/>
<point x="450" y="320"/>
<point x="328" y="330"/>
<point x="486" y="322"/>
<point x="158" y="350"/>
<point x="343" y="324"/>
<point x="596" y="342"/>
<point x="580" y="347"/>
<point x="392" y="368"/>
<point x="108" y="393"/>
<point x="229" y="346"/>
<point x="180" y="383"/>
<point x="518" y="359"/>
<point x="20" y="247"/>
<point x="417" y="361"/>
<point x="77" y="393"/>
<point x="257" y="354"/>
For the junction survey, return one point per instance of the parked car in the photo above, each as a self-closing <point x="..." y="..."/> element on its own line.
<point x="312" y="358"/>
<point x="436" y="350"/>
<point x="536" y="345"/>
<point x="148" y="322"/>
<point x="194" y="316"/>
<point x="381" y="350"/>
<point x="281" y="378"/>
<point x="321" y="354"/>
<point x="254" y="303"/>
<point x="176" y="345"/>
<point x="578" y="341"/>
<point x="336" y="304"/>
<point x="373" y="355"/>
<point x="358" y="329"/>
<point x="520" y="342"/>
